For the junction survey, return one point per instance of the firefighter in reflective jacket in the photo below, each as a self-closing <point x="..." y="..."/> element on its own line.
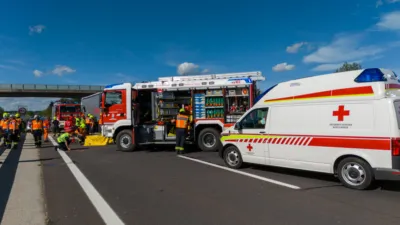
<point x="12" y="135"/>
<point x="182" y="122"/>
<point x="37" y="130"/>
<point x="4" y="127"/>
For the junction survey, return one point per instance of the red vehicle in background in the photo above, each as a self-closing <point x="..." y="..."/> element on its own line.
<point x="63" y="110"/>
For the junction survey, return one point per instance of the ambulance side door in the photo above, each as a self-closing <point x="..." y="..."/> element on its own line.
<point x="253" y="144"/>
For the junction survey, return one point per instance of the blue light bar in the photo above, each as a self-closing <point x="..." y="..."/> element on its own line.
<point x="370" y="75"/>
<point x="112" y="85"/>
<point x="263" y="94"/>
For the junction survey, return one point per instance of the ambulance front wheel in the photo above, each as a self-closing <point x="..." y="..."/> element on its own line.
<point x="233" y="158"/>
<point x="124" y="141"/>
<point x="355" y="173"/>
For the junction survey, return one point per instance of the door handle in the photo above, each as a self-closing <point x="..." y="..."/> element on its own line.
<point x="262" y="132"/>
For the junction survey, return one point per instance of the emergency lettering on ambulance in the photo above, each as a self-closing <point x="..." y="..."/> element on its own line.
<point x="346" y="124"/>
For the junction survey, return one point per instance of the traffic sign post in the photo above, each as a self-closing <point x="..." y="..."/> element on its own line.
<point x="22" y="110"/>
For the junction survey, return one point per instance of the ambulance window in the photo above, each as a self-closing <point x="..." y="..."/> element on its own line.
<point x="397" y="110"/>
<point x="113" y="98"/>
<point x="256" y="119"/>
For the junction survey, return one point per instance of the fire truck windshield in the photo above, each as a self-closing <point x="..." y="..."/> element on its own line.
<point x="69" y="109"/>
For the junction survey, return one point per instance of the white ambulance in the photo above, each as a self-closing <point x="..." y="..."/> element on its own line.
<point x="346" y="124"/>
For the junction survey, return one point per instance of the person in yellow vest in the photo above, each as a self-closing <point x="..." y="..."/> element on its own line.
<point x="64" y="140"/>
<point x="46" y="126"/>
<point x="182" y="123"/>
<point x="4" y="127"/>
<point x="12" y="128"/>
<point x="37" y="130"/>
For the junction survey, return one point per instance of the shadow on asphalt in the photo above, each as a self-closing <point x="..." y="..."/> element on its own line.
<point x="39" y="160"/>
<point x="7" y="175"/>
<point x="382" y="185"/>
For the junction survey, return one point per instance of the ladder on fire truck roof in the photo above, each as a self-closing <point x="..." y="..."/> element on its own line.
<point x="255" y="76"/>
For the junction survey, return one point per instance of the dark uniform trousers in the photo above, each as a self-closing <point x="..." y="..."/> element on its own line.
<point x="180" y="139"/>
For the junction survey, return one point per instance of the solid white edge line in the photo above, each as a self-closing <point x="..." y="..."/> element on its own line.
<point x="105" y="211"/>
<point x="243" y="173"/>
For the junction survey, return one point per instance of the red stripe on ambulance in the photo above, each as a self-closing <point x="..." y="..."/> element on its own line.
<point x="351" y="143"/>
<point x="330" y="93"/>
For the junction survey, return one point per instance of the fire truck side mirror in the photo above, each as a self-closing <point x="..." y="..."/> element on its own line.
<point x="103" y="99"/>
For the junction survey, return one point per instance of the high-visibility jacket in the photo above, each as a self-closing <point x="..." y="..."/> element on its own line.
<point x="12" y="125"/>
<point x="77" y="122"/>
<point x="46" y="124"/>
<point x="63" y="138"/>
<point x="19" y="121"/>
<point x="4" y="125"/>
<point x="82" y="124"/>
<point x="37" y="125"/>
<point x="182" y="121"/>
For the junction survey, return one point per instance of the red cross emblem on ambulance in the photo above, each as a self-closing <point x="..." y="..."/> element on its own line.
<point x="341" y="113"/>
<point x="249" y="147"/>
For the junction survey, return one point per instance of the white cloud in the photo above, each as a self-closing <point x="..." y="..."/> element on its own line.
<point x="16" y="62"/>
<point x="32" y="103"/>
<point x="295" y="47"/>
<point x="205" y="71"/>
<point x="282" y="67"/>
<point x="390" y="21"/>
<point x="187" y="68"/>
<point x="37" y="73"/>
<point x="381" y="2"/>
<point x="7" y="67"/>
<point x="36" y="29"/>
<point x="61" y="70"/>
<point x="343" y="48"/>
<point x="330" y="66"/>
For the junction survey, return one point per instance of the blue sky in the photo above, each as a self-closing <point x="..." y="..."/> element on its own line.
<point x="102" y="42"/>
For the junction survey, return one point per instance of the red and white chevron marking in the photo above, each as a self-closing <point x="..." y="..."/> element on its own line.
<point x="299" y="141"/>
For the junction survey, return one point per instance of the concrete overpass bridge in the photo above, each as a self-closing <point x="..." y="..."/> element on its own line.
<point x="43" y="90"/>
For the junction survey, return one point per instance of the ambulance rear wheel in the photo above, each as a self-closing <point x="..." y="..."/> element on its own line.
<point x="124" y="141"/>
<point x="233" y="158"/>
<point x="355" y="173"/>
<point x="209" y="140"/>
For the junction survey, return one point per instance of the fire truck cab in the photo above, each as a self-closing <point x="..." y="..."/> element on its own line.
<point x="141" y="114"/>
<point x="62" y="110"/>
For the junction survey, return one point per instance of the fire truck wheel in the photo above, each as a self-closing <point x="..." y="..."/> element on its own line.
<point x="233" y="158"/>
<point x="124" y="141"/>
<point x="209" y="140"/>
<point x="355" y="173"/>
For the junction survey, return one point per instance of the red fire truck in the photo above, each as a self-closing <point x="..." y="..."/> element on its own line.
<point x="62" y="110"/>
<point x="140" y="114"/>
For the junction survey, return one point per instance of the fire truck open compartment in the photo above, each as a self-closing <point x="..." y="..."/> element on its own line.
<point x="214" y="101"/>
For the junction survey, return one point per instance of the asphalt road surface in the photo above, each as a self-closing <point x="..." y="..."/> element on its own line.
<point x="157" y="187"/>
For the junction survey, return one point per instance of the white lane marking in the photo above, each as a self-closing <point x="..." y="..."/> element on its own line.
<point x="4" y="156"/>
<point x="243" y="173"/>
<point x="106" y="212"/>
